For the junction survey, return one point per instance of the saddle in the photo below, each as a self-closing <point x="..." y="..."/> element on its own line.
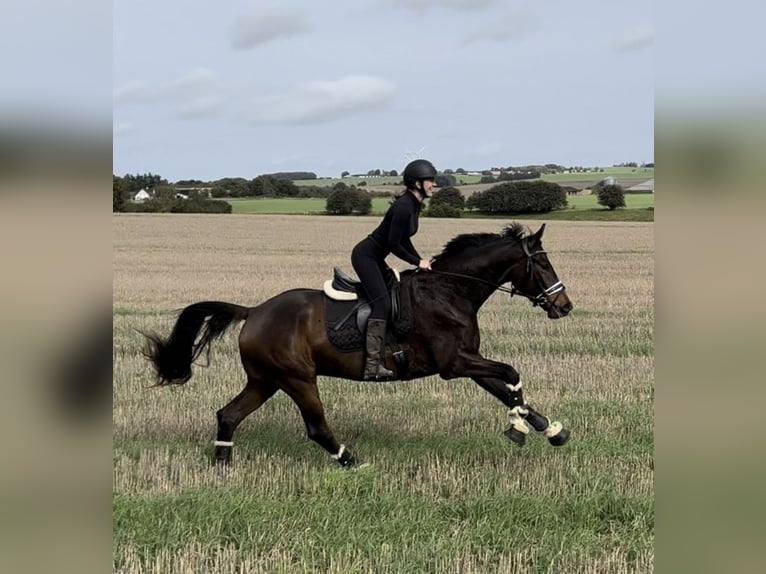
<point x="347" y="310"/>
<point x="343" y="287"/>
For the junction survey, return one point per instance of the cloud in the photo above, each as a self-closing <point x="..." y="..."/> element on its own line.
<point x="197" y="88"/>
<point x="510" y="27"/>
<point x="196" y="80"/>
<point x="420" y="5"/>
<point x="260" y="25"/>
<point x="634" y="39"/>
<point x="201" y="107"/>
<point x="318" y="102"/>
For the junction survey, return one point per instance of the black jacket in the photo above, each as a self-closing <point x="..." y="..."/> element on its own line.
<point x="399" y="224"/>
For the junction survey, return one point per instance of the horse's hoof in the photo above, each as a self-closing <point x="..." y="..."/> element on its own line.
<point x="347" y="460"/>
<point x="560" y="439"/>
<point x="516" y="436"/>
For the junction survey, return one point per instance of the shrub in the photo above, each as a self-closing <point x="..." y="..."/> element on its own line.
<point x="345" y="200"/>
<point x="443" y="210"/>
<point x="611" y="196"/>
<point x="519" y="197"/>
<point x="448" y="196"/>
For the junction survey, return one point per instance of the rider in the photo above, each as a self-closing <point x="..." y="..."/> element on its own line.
<point x="391" y="236"/>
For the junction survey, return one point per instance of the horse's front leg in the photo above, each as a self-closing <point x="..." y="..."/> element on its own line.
<point x="503" y="382"/>
<point x="510" y="395"/>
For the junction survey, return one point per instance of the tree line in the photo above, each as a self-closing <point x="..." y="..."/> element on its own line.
<point x="514" y="196"/>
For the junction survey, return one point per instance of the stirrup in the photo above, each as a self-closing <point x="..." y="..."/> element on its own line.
<point x="378" y="376"/>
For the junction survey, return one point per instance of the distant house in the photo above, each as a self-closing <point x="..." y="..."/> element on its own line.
<point x="141" y="196"/>
<point x="570" y="189"/>
<point x="643" y="187"/>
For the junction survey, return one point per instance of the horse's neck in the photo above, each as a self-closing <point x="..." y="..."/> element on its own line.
<point x="490" y="266"/>
<point x="481" y="278"/>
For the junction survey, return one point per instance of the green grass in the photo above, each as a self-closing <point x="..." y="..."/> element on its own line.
<point x="291" y="206"/>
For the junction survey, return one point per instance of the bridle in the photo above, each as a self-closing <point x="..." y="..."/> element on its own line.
<point x="545" y="292"/>
<point x="541" y="299"/>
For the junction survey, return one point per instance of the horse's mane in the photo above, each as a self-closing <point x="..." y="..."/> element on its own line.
<point x="457" y="245"/>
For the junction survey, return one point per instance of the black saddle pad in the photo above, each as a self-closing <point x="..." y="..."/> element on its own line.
<point x="345" y="337"/>
<point x="342" y="325"/>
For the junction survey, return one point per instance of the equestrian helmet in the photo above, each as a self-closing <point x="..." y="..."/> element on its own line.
<point x="418" y="170"/>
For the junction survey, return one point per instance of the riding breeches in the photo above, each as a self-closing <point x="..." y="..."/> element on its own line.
<point x="370" y="267"/>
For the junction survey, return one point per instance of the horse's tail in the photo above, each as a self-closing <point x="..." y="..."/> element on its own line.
<point x="172" y="358"/>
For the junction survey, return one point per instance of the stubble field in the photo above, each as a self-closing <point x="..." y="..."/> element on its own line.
<point x="445" y="491"/>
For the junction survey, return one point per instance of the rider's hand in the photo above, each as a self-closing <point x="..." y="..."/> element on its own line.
<point x="424" y="264"/>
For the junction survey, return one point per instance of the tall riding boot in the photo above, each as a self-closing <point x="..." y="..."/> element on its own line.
<point x="376" y="336"/>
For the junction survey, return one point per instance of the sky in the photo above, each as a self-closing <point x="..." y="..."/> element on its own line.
<point x="205" y="90"/>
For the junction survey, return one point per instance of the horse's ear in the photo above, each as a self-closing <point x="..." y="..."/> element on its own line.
<point x="539" y="233"/>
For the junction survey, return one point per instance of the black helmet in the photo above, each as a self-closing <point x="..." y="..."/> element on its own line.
<point x="417" y="170"/>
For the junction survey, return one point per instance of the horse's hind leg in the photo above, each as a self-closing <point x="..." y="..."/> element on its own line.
<point x="257" y="392"/>
<point x="305" y="394"/>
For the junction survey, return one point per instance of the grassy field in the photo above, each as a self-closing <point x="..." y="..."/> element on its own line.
<point x="584" y="208"/>
<point x="445" y="492"/>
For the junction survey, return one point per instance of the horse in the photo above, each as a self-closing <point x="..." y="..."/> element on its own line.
<point x="284" y="343"/>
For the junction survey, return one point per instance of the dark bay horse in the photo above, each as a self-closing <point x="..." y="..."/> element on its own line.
<point x="284" y="343"/>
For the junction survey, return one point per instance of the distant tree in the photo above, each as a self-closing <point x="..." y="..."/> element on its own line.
<point x="363" y="202"/>
<point x="393" y="173"/>
<point x="230" y="187"/>
<point x="447" y="196"/>
<point x="445" y="180"/>
<point x="345" y="174"/>
<point x="345" y="200"/>
<point x="611" y="196"/>
<point x="444" y="210"/>
<point x="460" y="171"/>
<point x="446" y="202"/>
<point x="487" y="179"/>
<point x="362" y="184"/>
<point x="293" y="175"/>
<point x="516" y="197"/>
<point x="165" y="191"/>
<point x="190" y="183"/>
<point x="147" y="181"/>
<point x="340" y="202"/>
<point x="120" y="193"/>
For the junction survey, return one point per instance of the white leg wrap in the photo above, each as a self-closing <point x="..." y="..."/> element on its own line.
<point x="223" y="443"/>
<point x="340" y="453"/>
<point x="514" y="388"/>
<point x="553" y="429"/>
<point x="517" y="421"/>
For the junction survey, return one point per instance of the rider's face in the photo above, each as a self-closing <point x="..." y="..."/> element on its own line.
<point x="429" y="186"/>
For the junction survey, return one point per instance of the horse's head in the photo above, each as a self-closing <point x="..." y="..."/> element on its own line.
<point x="535" y="278"/>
